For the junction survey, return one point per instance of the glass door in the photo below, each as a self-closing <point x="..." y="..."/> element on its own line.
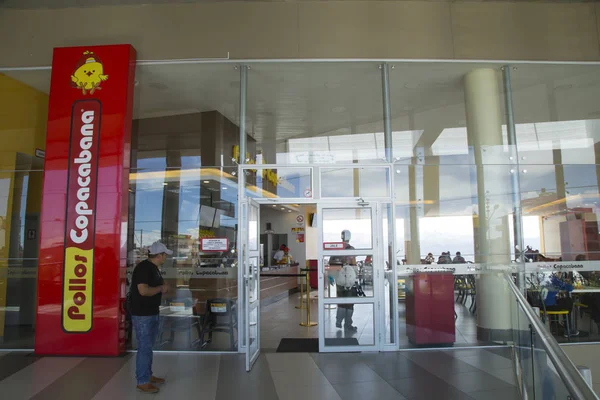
<point x="251" y="279"/>
<point x="350" y="277"/>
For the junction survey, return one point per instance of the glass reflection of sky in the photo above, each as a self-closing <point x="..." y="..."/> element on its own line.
<point x="149" y="201"/>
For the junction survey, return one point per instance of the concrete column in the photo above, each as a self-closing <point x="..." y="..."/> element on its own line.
<point x="413" y="244"/>
<point x="492" y="238"/>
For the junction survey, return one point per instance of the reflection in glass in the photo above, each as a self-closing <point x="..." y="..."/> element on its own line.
<point x="359" y="281"/>
<point x="357" y="221"/>
<point x="253" y="341"/>
<point x="360" y="317"/>
<point x="321" y="113"/>
<point x="389" y="284"/>
<point x="253" y="228"/>
<point x="355" y="182"/>
<point x="279" y="183"/>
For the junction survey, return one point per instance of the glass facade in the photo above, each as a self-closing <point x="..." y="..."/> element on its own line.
<point x="468" y="168"/>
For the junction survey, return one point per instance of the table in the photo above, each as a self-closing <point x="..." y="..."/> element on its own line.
<point x="590" y="289"/>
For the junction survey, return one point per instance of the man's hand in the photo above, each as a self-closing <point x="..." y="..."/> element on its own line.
<point x="165" y="288"/>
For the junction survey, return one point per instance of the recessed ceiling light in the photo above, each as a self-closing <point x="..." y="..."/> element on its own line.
<point x="224" y="187"/>
<point x="206" y="181"/>
<point x="274" y="206"/>
<point x="339" y="109"/>
<point x="283" y="208"/>
<point x="289" y="210"/>
<point x="164" y="183"/>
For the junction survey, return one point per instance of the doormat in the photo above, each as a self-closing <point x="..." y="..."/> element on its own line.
<point x="289" y="345"/>
<point x="298" y="346"/>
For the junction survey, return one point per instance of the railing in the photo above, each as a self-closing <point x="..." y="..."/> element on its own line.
<point x="543" y="369"/>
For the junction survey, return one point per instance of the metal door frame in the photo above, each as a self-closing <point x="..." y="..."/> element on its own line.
<point x="320" y="202"/>
<point x="376" y="301"/>
<point x="246" y="275"/>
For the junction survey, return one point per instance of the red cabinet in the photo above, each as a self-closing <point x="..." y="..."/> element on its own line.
<point x="430" y="308"/>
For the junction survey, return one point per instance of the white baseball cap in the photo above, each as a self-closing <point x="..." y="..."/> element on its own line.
<point x="159" y="248"/>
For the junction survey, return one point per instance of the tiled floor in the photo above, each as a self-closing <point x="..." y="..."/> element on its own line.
<point x="452" y="374"/>
<point x="281" y="320"/>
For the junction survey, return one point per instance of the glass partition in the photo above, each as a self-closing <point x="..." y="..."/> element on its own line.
<point x="24" y="105"/>
<point x="355" y="182"/>
<point x="279" y="183"/>
<point x="558" y="131"/>
<point x="316" y="113"/>
<point x="542" y="368"/>
<point x="184" y="192"/>
<point x="456" y="184"/>
<point x="454" y="173"/>
<point x="354" y="224"/>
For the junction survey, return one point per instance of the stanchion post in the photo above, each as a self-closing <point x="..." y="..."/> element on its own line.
<point x="301" y="306"/>
<point x="308" y="322"/>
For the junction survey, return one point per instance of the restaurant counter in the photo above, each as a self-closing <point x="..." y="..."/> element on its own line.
<point x="274" y="288"/>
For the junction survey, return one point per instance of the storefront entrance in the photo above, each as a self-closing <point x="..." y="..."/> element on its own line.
<point x="354" y="257"/>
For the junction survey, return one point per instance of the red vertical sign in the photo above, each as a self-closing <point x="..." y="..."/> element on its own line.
<point x="81" y="279"/>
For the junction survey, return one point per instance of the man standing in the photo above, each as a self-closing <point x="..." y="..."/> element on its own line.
<point x="147" y="288"/>
<point x="346" y="279"/>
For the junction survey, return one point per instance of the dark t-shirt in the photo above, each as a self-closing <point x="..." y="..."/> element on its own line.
<point x="148" y="273"/>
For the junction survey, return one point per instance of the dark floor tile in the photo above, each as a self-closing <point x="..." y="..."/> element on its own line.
<point x="489" y="362"/>
<point x="76" y="383"/>
<point x="339" y="359"/>
<point x="498" y="394"/>
<point x="476" y="381"/>
<point x="235" y="383"/>
<point x="350" y="373"/>
<point x="461" y="353"/>
<point x="427" y="387"/>
<point x="14" y="362"/>
<point x="367" y="390"/>
<point x="372" y="359"/>
<point x="505" y="352"/>
<point x="398" y="370"/>
<point x="441" y="364"/>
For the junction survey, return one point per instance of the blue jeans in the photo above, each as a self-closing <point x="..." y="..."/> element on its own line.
<point x="146" y="331"/>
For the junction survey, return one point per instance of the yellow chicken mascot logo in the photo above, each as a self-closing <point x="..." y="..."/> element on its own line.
<point x="88" y="74"/>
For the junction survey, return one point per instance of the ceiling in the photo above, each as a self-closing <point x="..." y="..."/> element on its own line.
<point x="298" y="100"/>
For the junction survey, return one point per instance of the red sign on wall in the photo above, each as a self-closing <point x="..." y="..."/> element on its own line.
<point x="81" y="275"/>
<point x="80" y="229"/>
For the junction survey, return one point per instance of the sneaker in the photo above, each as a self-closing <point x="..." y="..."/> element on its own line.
<point x="147" y="388"/>
<point x="157" y="381"/>
<point x="351" y="328"/>
<point x="338" y="325"/>
<point x="574" y="333"/>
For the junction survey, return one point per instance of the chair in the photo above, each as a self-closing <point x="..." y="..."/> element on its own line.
<point x="473" y="293"/>
<point x="460" y="286"/>
<point x="220" y="316"/>
<point x="555" y="314"/>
